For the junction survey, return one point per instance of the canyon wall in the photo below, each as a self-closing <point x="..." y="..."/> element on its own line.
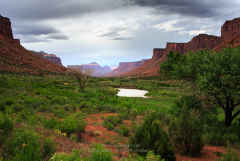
<point x="230" y="29"/>
<point x="230" y="37"/>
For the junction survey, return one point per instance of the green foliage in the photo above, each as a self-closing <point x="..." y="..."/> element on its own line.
<point x="217" y="75"/>
<point x="186" y="132"/>
<point x="155" y="139"/>
<point x="72" y="125"/>
<point x="75" y="156"/>
<point x="186" y="129"/>
<point x="51" y="123"/>
<point x="24" y="145"/>
<point x="110" y="122"/>
<point x="99" y="153"/>
<point x="49" y="148"/>
<point x="6" y="126"/>
<point x="230" y="156"/>
<point x="123" y="130"/>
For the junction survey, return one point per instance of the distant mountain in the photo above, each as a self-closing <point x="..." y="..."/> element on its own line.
<point x="95" y="68"/>
<point x="15" y="58"/>
<point x="125" y="67"/>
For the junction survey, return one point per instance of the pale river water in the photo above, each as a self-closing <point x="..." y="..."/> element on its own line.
<point x="132" y="93"/>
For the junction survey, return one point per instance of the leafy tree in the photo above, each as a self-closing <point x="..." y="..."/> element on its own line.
<point x="217" y="75"/>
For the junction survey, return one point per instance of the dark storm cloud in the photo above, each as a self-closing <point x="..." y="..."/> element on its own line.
<point x="36" y="32"/>
<point x="196" y="8"/>
<point x="35" y="29"/>
<point x="35" y="10"/>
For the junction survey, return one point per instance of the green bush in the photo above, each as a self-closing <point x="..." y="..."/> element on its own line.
<point x="51" y="123"/>
<point x="150" y="137"/>
<point x="123" y="130"/>
<point x="75" y="156"/>
<point x="230" y="156"/>
<point x="49" y="148"/>
<point x="24" y="145"/>
<point x="6" y="126"/>
<point x="186" y="132"/>
<point x="99" y="153"/>
<point x="72" y="124"/>
<point x="111" y="122"/>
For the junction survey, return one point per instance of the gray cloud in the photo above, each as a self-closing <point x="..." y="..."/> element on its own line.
<point x="196" y="8"/>
<point x="117" y="33"/>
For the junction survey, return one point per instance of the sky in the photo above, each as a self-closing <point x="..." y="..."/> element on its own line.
<point x="112" y="31"/>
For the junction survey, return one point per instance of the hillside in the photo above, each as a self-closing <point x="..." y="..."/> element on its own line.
<point x="15" y="58"/>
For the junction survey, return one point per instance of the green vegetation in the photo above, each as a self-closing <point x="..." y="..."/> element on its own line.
<point x="216" y="75"/>
<point x="151" y="137"/>
<point x="197" y="94"/>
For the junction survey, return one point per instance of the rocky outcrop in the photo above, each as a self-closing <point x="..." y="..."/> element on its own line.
<point x="202" y="41"/>
<point x="50" y="57"/>
<point x="230" y="29"/>
<point x="6" y="28"/>
<point x="16" y="59"/>
<point x="158" y="53"/>
<point x="94" y="68"/>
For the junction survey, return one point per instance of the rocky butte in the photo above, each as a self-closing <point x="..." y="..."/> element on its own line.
<point x="6" y="30"/>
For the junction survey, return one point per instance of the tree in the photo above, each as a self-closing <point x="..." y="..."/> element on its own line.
<point x="82" y="77"/>
<point x="217" y="75"/>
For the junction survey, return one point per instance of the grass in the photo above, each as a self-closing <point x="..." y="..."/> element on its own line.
<point x="42" y="103"/>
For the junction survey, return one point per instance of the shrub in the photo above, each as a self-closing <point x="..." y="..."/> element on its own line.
<point x="75" y="156"/>
<point x="229" y="156"/>
<point x="51" y="123"/>
<point x="186" y="132"/>
<point x="99" y="153"/>
<point x="123" y="130"/>
<point x="71" y="125"/>
<point x="49" y="148"/>
<point x="111" y="122"/>
<point x="150" y="137"/>
<point x="6" y="126"/>
<point x="24" y="145"/>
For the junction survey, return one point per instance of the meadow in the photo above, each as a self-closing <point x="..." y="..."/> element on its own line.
<point x="49" y="117"/>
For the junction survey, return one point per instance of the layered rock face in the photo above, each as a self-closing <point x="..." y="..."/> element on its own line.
<point x="15" y="58"/>
<point x="230" y="37"/>
<point x="230" y="29"/>
<point x="50" y="57"/>
<point x="6" y="28"/>
<point x="202" y="41"/>
<point x="95" y="69"/>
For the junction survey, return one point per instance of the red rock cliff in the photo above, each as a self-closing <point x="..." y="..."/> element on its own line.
<point x="5" y="28"/>
<point x="202" y="41"/>
<point x="230" y="29"/>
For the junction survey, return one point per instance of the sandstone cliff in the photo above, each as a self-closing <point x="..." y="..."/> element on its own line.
<point x="230" y="37"/>
<point x="15" y="58"/>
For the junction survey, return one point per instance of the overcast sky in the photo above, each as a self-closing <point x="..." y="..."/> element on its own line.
<point x="112" y="31"/>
